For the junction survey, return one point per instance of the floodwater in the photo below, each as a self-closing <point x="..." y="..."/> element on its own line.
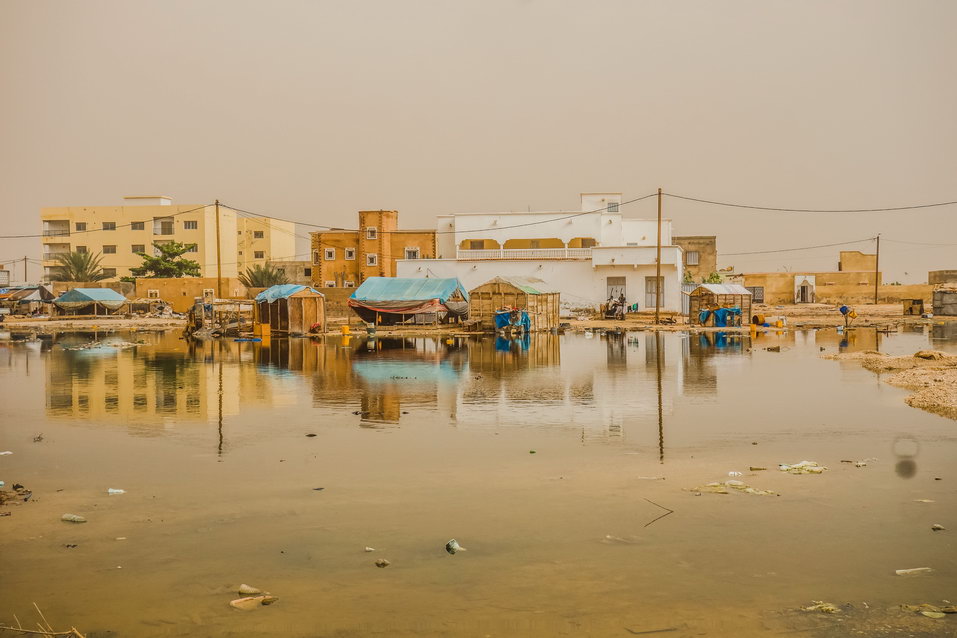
<point x="418" y="441"/>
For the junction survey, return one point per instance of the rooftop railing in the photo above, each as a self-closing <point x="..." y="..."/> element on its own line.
<point x="524" y="253"/>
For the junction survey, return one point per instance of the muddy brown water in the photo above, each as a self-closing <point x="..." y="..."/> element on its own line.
<point x="422" y="440"/>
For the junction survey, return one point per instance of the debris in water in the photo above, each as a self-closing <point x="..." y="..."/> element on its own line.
<point x="923" y="500"/>
<point x="773" y="349"/>
<point x="741" y="486"/>
<point x="115" y="491"/>
<point x="248" y="590"/>
<point x="310" y="435"/>
<point x="649" y="478"/>
<point x="619" y="540"/>
<point x="453" y="546"/>
<point x="804" y="467"/>
<point x="732" y="473"/>
<point x="531" y="451"/>
<point x="757" y="469"/>
<point x="318" y="489"/>
<point x="933" y="614"/>
<point x="369" y="549"/>
<point x="252" y="602"/>
<point x="5" y="453"/>
<point x="38" y="438"/>
<point x="72" y="518"/>
<point x="823" y="607"/>
<point x="382" y="563"/>
<point x="913" y="571"/>
<point x="937" y="527"/>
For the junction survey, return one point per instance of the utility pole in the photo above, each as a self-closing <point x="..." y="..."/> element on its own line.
<point x="877" y="269"/>
<point x="658" y="267"/>
<point x="219" y="258"/>
<point x="25" y="280"/>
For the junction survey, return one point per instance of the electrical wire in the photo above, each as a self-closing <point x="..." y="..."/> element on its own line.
<point x="788" y="250"/>
<point x="810" y="210"/>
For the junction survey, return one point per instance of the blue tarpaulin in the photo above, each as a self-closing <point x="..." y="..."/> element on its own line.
<point x="504" y="318"/>
<point x="80" y="297"/>
<point x="281" y="291"/>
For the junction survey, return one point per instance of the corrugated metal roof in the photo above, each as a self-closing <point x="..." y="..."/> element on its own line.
<point x="724" y="289"/>
<point x="529" y="285"/>
<point x="282" y="291"/>
<point x="406" y="289"/>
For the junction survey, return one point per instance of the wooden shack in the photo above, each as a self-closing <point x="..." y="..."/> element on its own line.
<point x="711" y="297"/>
<point x="291" y="309"/>
<point x="534" y="296"/>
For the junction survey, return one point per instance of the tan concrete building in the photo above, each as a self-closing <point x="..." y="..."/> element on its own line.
<point x="297" y="272"/>
<point x="118" y="233"/>
<point x="344" y="259"/>
<point x="700" y="255"/>
<point x="181" y="292"/>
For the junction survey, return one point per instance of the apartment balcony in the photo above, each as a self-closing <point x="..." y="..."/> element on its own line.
<point x="56" y="228"/>
<point x="524" y="253"/>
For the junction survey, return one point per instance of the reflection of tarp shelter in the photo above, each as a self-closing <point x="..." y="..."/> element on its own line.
<point x="719" y="304"/>
<point x="292" y="309"/>
<point x="391" y="300"/>
<point x="90" y="301"/>
<point x="533" y="296"/>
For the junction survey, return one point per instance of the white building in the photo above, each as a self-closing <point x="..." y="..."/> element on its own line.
<point x="587" y="256"/>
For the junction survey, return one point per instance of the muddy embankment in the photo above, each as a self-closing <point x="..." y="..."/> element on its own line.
<point x="931" y="374"/>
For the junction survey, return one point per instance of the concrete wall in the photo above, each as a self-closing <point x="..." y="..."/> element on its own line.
<point x="831" y="287"/>
<point x="123" y="287"/>
<point x="297" y="272"/>
<point x="942" y="277"/>
<point x="580" y="284"/>
<point x="707" y="248"/>
<point x="181" y="293"/>
<point x="855" y="260"/>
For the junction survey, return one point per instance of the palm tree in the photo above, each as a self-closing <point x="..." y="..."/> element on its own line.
<point x="263" y="277"/>
<point x="74" y="266"/>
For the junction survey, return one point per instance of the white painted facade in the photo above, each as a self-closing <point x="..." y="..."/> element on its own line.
<point x="600" y="250"/>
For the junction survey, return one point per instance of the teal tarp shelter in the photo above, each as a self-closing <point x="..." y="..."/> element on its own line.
<point x="391" y="300"/>
<point x="292" y="309"/>
<point x="91" y="301"/>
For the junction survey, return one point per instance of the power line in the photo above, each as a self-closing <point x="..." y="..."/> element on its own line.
<point x="788" y="250"/>
<point x="811" y="210"/>
<point x="917" y="243"/>
<point x="98" y="230"/>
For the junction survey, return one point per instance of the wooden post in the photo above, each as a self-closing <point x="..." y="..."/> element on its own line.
<point x="219" y="258"/>
<point x="877" y="270"/>
<point x="658" y="267"/>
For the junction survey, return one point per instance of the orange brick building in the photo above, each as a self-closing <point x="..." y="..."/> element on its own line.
<point x="346" y="258"/>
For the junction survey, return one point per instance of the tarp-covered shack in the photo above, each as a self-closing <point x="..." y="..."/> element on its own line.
<point x="719" y="305"/>
<point x="90" y="301"/>
<point x="392" y="300"/>
<point x="292" y="309"/>
<point x="507" y="294"/>
<point x="26" y="299"/>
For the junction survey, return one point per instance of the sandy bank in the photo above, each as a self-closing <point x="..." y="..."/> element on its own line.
<point x="932" y="375"/>
<point x="47" y="325"/>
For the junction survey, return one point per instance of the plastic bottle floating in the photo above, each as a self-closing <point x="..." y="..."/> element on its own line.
<point x="453" y="546"/>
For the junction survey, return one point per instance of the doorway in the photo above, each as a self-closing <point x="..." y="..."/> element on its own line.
<point x="651" y="291"/>
<point x="616" y="287"/>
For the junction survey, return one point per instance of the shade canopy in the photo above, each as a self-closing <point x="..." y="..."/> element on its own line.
<point x="80" y="297"/>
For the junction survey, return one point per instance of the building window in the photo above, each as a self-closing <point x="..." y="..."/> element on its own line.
<point x="757" y="293"/>
<point x="259" y="234"/>
<point x="81" y="249"/>
<point x="612" y="207"/>
<point x="139" y="248"/>
<point x="109" y="250"/>
<point x="350" y="253"/>
<point x="329" y="254"/>
<point x="476" y="244"/>
<point x="348" y="284"/>
<point x="152" y="293"/>
<point x="259" y="254"/>
<point x="692" y="258"/>
<point x="109" y="272"/>
<point x="138" y="226"/>
<point x="372" y="232"/>
<point x="330" y="284"/>
<point x="191" y="225"/>
<point x="109" y="225"/>
<point x="411" y="253"/>
<point x="192" y="248"/>
<point x="315" y="256"/>
<point x="372" y="259"/>
<point x="80" y="226"/>
<point x="307" y="272"/>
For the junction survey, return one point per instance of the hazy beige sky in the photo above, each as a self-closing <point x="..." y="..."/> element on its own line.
<point x="313" y="110"/>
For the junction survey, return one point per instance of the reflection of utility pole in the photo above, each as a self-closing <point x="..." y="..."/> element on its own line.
<point x="661" y="424"/>
<point x="220" y="399"/>
<point x="658" y="268"/>
<point x="219" y="258"/>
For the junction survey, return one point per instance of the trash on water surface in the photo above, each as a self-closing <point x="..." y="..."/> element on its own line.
<point x="923" y="500"/>
<point x="5" y="453"/>
<point x="369" y="549"/>
<point x="804" y="467"/>
<point x="650" y="478"/>
<point x="381" y="562"/>
<point x="913" y="571"/>
<point x="453" y="546"/>
<point x="823" y="607"/>
<point x="732" y="473"/>
<point x="933" y="614"/>
<point x="754" y="468"/>
<point x="72" y="518"/>
<point x="740" y="486"/>
<point x="248" y="590"/>
<point x="115" y="491"/>
<point x="252" y="602"/>
<point x="937" y="527"/>
<point x="620" y="540"/>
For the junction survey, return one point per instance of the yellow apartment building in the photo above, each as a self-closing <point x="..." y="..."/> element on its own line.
<point x="346" y="258"/>
<point x="118" y="233"/>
